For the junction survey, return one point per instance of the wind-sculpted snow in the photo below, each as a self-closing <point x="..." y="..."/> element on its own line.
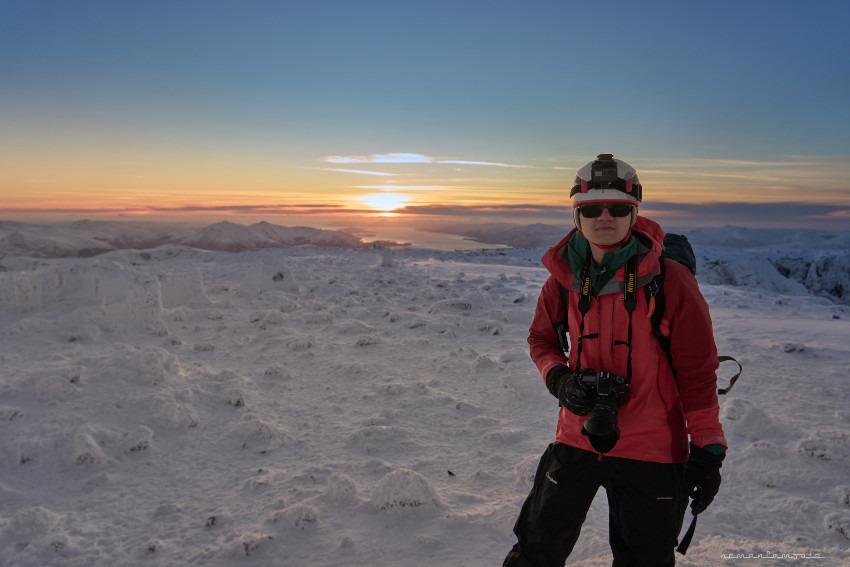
<point x="829" y="274"/>
<point x="537" y="235"/>
<point x="776" y="260"/>
<point x="89" y="238"/>
<point x="765" y="238"/>
<point x="331" y="406"/>
<point x="824" y="273"/>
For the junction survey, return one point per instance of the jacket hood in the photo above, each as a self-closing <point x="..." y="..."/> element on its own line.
<point x="646" y="230"/>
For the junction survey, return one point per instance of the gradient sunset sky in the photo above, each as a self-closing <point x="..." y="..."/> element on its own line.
<point x="332" y="113"/>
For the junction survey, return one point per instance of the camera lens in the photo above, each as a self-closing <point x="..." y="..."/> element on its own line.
<point x="603" y="418"/>
<point x="601" y="425"/>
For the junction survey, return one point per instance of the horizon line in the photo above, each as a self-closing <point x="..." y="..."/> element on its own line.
<point x="777" y="215"/>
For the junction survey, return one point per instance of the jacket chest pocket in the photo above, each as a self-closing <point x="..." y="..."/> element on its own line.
<point x="606" y="336"/>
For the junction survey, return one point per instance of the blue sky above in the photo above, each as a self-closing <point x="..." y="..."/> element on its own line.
<point x="259" y="99"/>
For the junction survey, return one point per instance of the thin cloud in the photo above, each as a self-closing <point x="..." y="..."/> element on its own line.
<point x="420" y="187"/>
<point x="382" y="158"/>
<point x="789" y="161"/>
<point x="490" y="163"/>
<point x="416" y="158"/>
<point x="363" y="172"/>
<point x="833" y="215"/>
<point x="528" y="210"/>
<point x="273" y="209"/>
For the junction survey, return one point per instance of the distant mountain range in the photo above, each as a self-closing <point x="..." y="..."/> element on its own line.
<point x="89" y="238"/>
<point x="776" y="260"/>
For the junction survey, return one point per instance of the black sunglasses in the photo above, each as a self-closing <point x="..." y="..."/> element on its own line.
<point x="615" y="209"/>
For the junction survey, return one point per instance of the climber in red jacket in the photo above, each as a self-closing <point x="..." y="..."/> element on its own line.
<point x="650" y="435"/>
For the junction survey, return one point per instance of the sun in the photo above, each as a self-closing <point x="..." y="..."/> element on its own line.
<point x="384" y="202"/>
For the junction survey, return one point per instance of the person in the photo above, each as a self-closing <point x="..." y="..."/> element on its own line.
<point x="628" y="422"/>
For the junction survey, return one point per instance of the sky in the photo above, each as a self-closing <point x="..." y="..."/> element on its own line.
<point x="340" y="113"/>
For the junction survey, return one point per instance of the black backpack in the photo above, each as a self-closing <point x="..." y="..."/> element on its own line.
<point x="678" y="248"/>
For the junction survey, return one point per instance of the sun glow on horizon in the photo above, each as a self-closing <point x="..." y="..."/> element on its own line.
<point x="809" y="189"/>
<point x="385" y="202"/>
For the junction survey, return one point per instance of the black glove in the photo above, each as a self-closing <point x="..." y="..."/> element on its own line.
<point x="573" y="395"/>
<point x="702" y="477"/>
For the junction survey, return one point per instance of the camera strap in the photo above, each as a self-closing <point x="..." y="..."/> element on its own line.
<point x="586" y="284"/>
<point x="629" y="302"/>
<point x="584" y="303"/>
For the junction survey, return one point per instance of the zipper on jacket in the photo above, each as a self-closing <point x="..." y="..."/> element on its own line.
<point x="613" y="326"/>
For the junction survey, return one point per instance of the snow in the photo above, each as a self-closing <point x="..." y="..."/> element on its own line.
<point x="88" y="238"/>
<point x="357" y="406"/>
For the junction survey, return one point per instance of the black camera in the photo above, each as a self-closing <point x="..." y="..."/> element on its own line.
<point x="610" y="392"/>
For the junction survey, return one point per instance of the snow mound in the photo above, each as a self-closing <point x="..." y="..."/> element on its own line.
<point x="178" y="289"/>
<point x="144" y="365"/>
<point x="826" y="446"/>
<point x="299" y="516"/>
<point x="404" y="488"/>
<point x="341" y="488"/>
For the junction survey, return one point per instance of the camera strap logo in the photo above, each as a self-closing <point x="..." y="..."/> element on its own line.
<point x="630" y="283"/>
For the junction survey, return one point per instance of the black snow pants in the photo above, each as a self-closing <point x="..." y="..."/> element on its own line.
<point x="646" y="504"/>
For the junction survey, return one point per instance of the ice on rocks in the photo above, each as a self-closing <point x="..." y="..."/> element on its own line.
<point x="826" y="446"/>
<point x="254" y="428"/>
<point x="175" y="415"/>
<point x="341" y="488"/>
<point x="33" y="521"/>
<point x="259" y="279"/>
<point x="86" y="450"/>
<point x="54" y="387"/>
<point x="138" y="441"/>
<point x="150" y="365"/>
<point x="251" y="544"/>
<point x="278" y="371"/>
<point x="404" y="488"/>
<point x="10" y="413"/>
<point x="183" y="289"/>
<point x="298" y="516"/>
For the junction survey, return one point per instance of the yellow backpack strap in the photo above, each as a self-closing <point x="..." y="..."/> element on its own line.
<point x="724" y="391"/>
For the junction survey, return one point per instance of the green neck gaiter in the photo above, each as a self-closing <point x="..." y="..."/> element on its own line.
<point x="600" y="273"/>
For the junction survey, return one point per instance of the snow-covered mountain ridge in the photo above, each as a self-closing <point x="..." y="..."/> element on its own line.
<point x="90" y="238"/>
<point x="778" y="261"/>
<point x="795" y="262"/>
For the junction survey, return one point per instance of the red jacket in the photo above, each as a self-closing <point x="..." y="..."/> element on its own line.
<point x="656" y="421"/>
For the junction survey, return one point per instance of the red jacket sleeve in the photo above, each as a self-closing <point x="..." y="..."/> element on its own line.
<point x="542" y="335"/>
<point x="694" y="355"/>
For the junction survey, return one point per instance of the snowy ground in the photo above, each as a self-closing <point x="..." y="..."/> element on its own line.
<point x="311" y="407"/>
